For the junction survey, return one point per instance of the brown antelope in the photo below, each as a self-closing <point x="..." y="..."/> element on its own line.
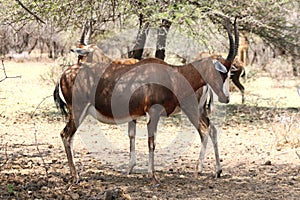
<point x="92" y="54"/>
<point x="117" y="93"/>
<point x="205" y="109"/>
<point x="243" y="49"/>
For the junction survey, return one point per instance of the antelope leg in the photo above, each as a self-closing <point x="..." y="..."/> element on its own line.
<point x="132" y="155"/>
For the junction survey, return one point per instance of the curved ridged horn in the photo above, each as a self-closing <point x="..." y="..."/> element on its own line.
<point x="88" y="35"/>
<point x="231" y="53"/>
<point x="236" y="38"/>
<point x="81" y="41"/>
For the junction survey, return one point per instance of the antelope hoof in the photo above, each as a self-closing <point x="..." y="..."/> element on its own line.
<point x="219" y="172"/>
<point x="128" y="172"/>
<point x="130" y="168"/>
<point x="76" y="181"/>
<point x="154" y="181"/>
<point x="76" y="178"/>
<point x="197" y="173"/>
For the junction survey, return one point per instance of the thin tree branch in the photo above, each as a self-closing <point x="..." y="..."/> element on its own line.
<point x="38" y="106"/>
<point x="35" y="137"/>
<point x="5" y="75"/>
<point x="30" y="12"/>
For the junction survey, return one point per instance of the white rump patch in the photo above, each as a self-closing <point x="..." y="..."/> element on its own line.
<point x="147" y="117"/>
<point x="61" y="95"/>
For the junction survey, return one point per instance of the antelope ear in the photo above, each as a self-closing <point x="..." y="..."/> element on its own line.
<point x="80" y="51"/>
<point x="220" y="67"/>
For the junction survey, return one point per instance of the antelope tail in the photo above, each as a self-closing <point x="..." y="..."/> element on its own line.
<point x="60" y="104"/>
<point x="243" y="73"/>
<point x="210" y="102"/>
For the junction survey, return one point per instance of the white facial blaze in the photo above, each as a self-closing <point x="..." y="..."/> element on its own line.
<point x="226" y="86"/>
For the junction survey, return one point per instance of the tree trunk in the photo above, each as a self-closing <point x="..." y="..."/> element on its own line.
<point x="295" y="67"/>
<point x="55" y="50"/>
<point x="138" y="48"/>
<point x="295" y="56"/>
<point x="162" y="33"/>
<point x="50" y="53"/>
<point x="33" y="46"/>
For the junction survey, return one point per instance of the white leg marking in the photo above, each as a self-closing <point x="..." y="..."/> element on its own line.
<point x="202" y="154"/>
<point x="226" y="87"/>
<point x="132" y="155"/>
<point x="214" y="137"/>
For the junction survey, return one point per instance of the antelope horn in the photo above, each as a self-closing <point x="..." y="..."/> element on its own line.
<point x="236" y="38"/>
<point x="231" y="53"/>
<point x="81" y="41"/>
<point x="88" y="35"/>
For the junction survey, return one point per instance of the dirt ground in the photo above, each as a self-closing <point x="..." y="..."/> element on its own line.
<point x="259" y="145"/>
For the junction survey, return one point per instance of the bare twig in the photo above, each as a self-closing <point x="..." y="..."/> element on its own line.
<point x="298" y="89"/>
<point x="38" y="106"/>
<point x="30" y="12"/>
<point x="38" y="149"/>
<point x="35" y="136"/>
<point x="5" y="75"/>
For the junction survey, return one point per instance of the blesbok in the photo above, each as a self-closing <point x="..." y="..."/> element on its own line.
<point x="90" y="53"/>
<point x="243" y="49"/>
<point x="236" y="71"/>
<point x="203" y="94"/>
<point x="117" y="93"/>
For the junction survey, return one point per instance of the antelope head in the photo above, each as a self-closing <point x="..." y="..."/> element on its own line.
<point x="84" y="50"/>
